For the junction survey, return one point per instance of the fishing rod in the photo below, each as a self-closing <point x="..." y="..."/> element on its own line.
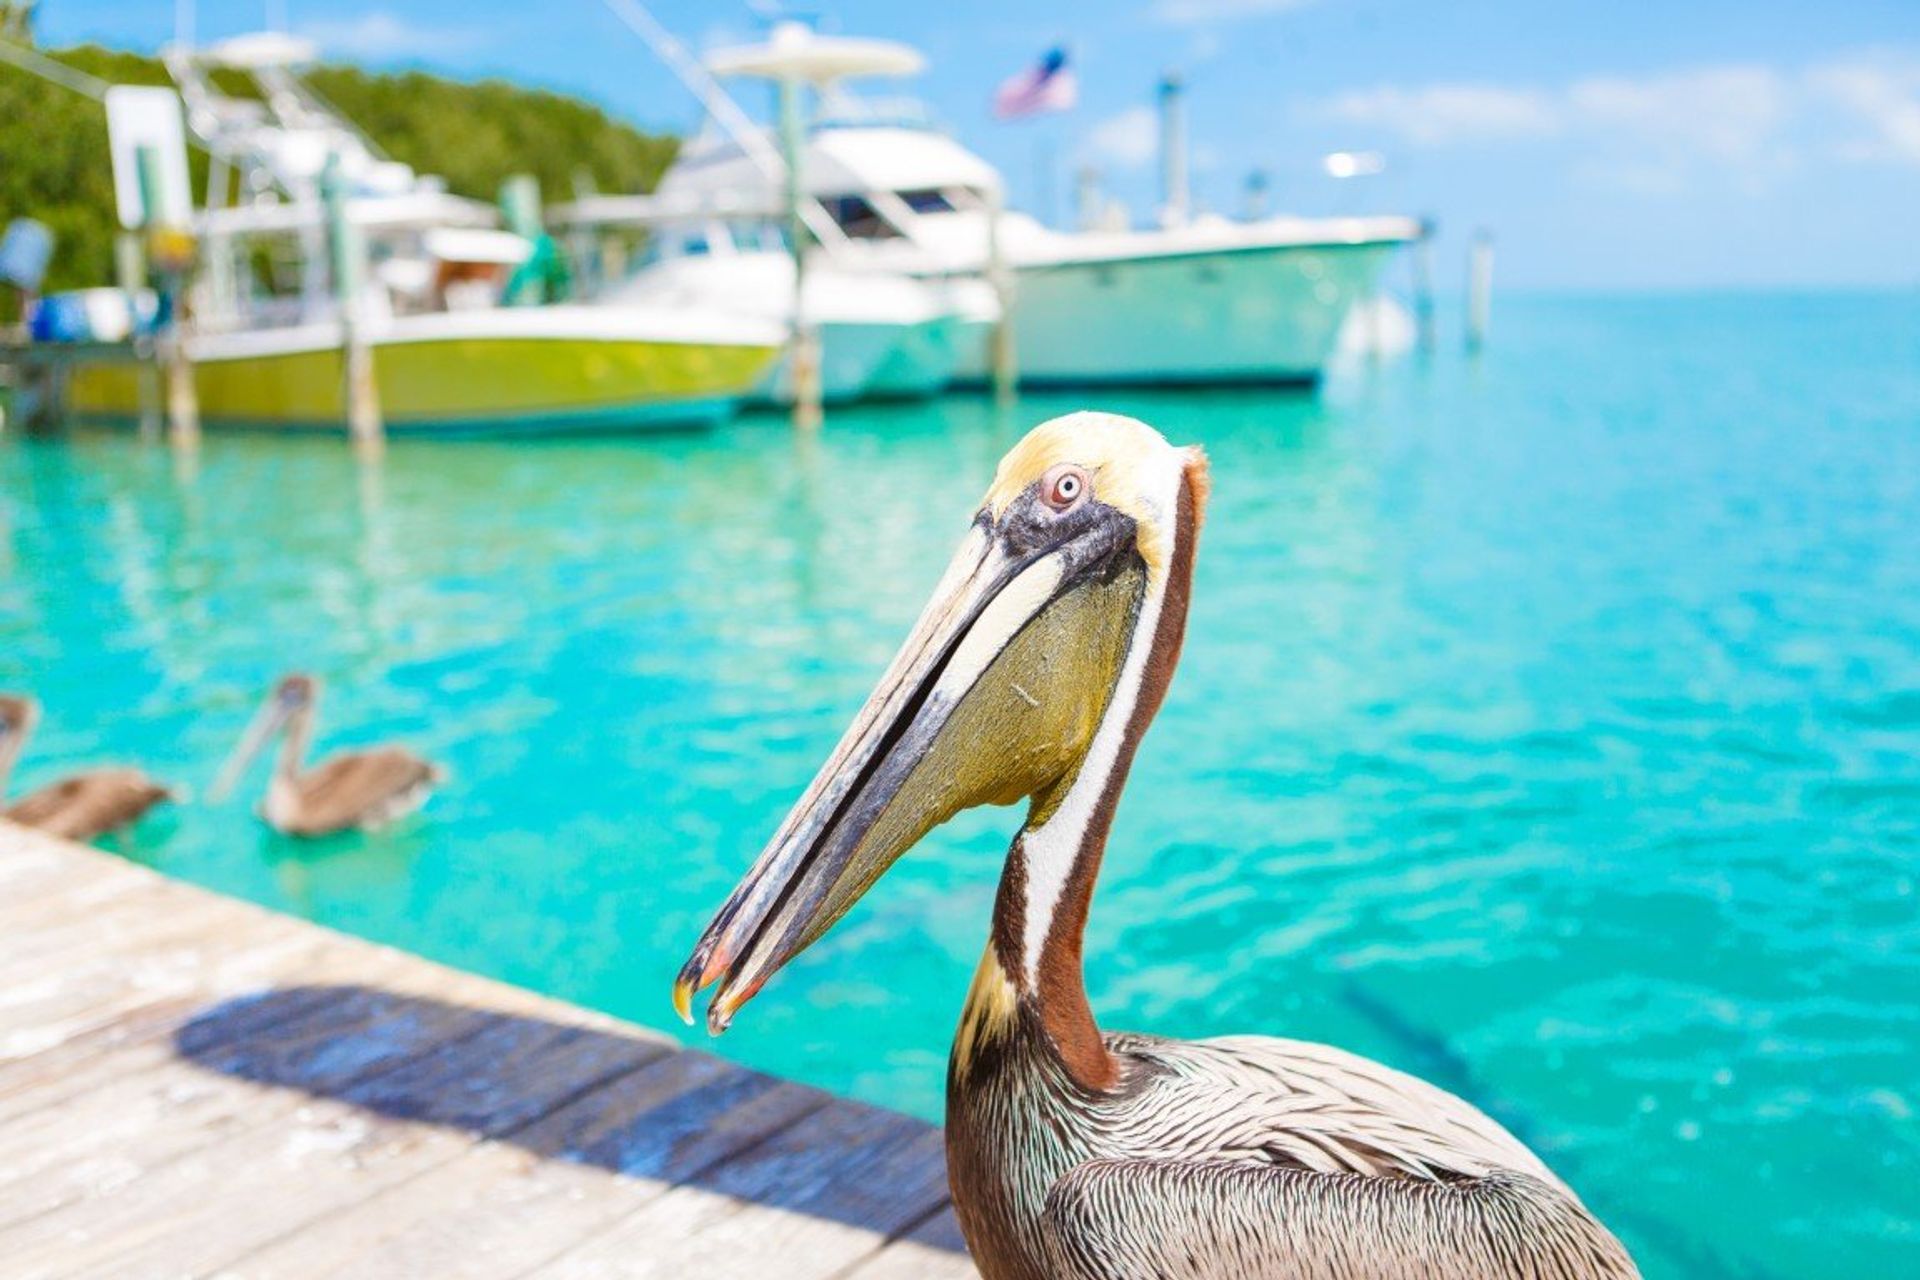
<point x="719" y="105"/>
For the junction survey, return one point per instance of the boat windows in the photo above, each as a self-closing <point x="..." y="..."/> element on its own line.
<point x="927" y="201"/>
<point x="858" y="218"/>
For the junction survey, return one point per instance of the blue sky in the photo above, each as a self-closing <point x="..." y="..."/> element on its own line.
<point x="1621" y="146"/>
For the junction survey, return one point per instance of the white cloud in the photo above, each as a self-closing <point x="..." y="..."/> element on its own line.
<point x="1727" y="113"/>
<point x="1446" y="113"/>
<point x="1126" y="141"/>
<point x="382" y="34"/>
<point x="1880" y="93"/>
<point x="1744" y="122"/>
<point x="1189" y="13"/>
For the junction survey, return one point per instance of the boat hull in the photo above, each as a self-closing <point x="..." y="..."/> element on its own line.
<point x="922" y="361"/>
<point x="851" y="353"/>
<point x="1262" y="315"/>
<point x="450" y="384"/>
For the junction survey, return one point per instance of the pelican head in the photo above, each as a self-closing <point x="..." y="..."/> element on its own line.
<point x="290" y="696"/>
<point x="1045" y="646"/>
<point x="18" y="715"/>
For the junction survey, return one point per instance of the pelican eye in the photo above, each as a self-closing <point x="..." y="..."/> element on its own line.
<point x="1064" y="486"/>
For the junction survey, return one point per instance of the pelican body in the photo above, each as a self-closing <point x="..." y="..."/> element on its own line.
<point x="84" y="806"/>
<point x="1076" y="1154"/>
<point x="366" y="789"/>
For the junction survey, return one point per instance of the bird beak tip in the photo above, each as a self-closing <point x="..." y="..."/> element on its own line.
<point x="683" y="1000"/>
<point x="725" y="1004"/>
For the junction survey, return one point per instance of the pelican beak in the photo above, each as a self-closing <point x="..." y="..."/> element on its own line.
<point x="993" y="698"/>
<point x="270" y="719"/>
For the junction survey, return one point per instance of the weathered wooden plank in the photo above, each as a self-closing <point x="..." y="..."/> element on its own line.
<point x="29" y="867"/>
<point x="812" y="1200"/>
<point x="511" y="1206"/>
<point x="434" y="1104"/>
<point x="199" y="1087"/>
<point x="286" y="1164"/>
<point x="933" y="1250"/>
<point x="71" y="1002"/>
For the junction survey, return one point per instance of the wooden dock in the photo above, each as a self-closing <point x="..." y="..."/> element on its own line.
<point x="196" y="1087"/>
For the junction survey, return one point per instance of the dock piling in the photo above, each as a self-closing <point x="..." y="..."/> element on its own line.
<point x="183" y="399"/>
<point x="1479" y="289"/>
<point x="130" y="272"/>
<point x="360" y="388"/>
<point x="803" y="352"/>
<point x="1175" y="198"/>
<point x="1002" y="360"/>
<point x="170" y="381"/>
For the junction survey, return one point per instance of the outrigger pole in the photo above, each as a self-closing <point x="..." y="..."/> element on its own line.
<point x="804" y="214"/>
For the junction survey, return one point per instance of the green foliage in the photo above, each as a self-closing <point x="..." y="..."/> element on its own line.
<point x="54" y="165"/>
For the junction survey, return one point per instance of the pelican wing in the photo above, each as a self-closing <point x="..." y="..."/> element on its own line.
<point x="1190" y="1220"/>
<point x="1292" y="1103"/>
<point x="1267" y="1159"/>
<point x="362" y="789"/>
<point x="90" y="804"/>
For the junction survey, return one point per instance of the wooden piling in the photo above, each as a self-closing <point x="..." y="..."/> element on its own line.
<point x="183" y="398"/>
<point x="130" y="274"/>
<point x="1423" y="317"/>
<point x="803" y="347"/>
<point x="1479" y="289"/>
<point x="1002" y="357"/>
<point x="171" y="377"/>
<point x="359" y="379"/>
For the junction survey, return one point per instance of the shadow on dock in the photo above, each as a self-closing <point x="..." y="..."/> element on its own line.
<point x="636" y="1107"/>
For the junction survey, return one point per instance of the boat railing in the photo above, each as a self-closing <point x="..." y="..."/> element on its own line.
<point x="840" y="109"/>
<point x="657" y="210"/>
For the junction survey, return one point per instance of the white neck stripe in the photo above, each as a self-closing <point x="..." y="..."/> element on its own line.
<point x="1052" y="847"/>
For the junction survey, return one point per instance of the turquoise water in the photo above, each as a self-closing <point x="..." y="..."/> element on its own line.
<point x="1549" y="725"/>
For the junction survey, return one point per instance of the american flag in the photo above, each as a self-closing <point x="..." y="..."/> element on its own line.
<point x="1050" y="86"/>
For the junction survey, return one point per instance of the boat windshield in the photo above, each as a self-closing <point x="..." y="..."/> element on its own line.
<point x="858" y="219"/>
<point x="840" y="108"/>
<point x="927" y="201"/>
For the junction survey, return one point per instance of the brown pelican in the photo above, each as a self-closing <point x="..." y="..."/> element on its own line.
<point x="82" y="807"/>
<point x="364" y="789"/>
<point x="1073" y="1153"/>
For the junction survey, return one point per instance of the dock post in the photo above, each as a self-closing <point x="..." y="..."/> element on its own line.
<point x="1003" y="361"/>
<point x="1423" y="285"/>
<point x="1175" y="202"/>
<point x="171" y="254"/>
<point x="130" y="272"/>
<point x="183" y="397"/>
<point x="359" y="386"/>
<point x="803" y="346"/>
<point x="1479" y="289"/>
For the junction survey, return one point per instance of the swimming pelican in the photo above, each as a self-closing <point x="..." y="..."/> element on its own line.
<point x="82" y="807"/>
<point x="1075" y="1154"/>
<point x="364" y="789"/>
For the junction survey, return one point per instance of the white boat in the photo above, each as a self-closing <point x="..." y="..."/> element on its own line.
<point x="883" y="334"/>
<point x="270" y="325"/>
<point x="481" y="371"/>
<point x="1201" y="301"/>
